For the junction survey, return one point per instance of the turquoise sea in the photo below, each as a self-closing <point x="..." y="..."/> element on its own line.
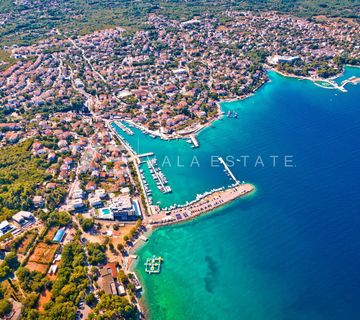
<point x="290" y="250"/>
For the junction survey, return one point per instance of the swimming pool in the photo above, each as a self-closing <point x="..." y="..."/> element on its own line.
<point x="59" y="235"/>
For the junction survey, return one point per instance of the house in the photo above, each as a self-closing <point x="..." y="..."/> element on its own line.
<point x="77" y="203"/>
<point x="101" y="193"/>
<point x="5" y="227"/>
<point x="108" y="280"/>
<point x="38" y="201"/>
<point x="90" y="186"/>
<point x="23" y="217"/>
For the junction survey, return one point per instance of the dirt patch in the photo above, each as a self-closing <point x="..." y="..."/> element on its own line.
<point x="44" y="253"/>
<point x="45" y="297"/>
<point x="34" y="266"/>
<point x="51" y="233"/>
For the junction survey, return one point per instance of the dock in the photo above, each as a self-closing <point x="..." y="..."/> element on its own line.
<point x="158" y="176"/>
<point x="194" y="140"/>
<point x="124" y="128"/>
<point x="143" y="155"/>
<point x="228" y="170"/>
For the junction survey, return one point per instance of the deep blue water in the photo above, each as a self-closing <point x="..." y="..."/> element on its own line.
<point x="292" y="249"/>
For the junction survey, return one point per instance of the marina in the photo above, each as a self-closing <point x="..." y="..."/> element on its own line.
<point x="124" y="128"/>
<point x="159" y="177"/>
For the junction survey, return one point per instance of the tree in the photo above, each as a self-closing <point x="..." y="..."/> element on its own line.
<point x="120" y="247"/>
<point x="122" y="277"/>
<point x="114" y="307"/>
<point x="90" y="299"/>
<point x="5" y="308"/>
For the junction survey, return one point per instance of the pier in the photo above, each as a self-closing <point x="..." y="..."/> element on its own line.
<point x="124" y="128"/>
<point x="228" y="170"/>
<point x="194" y="140"/>
<point x="158" y="176"/>
<point x="143" y="155"/>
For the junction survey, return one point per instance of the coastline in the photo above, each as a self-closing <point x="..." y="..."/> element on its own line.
<point x="315" y="80"/>
<point x="199" y="127"/>
<point x="227" y="196"/>
<point x="152" y="226"/>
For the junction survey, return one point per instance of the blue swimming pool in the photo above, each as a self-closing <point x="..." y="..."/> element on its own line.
<point x="59" y="235"/>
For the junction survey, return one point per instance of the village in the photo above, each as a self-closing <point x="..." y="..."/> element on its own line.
<point x="170" y="77"/>
<point x="59" y="98"/>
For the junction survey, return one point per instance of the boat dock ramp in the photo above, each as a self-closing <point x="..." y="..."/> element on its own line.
<point x="194" y="141"/>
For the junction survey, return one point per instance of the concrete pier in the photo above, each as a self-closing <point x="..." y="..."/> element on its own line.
<point x="194" y="140"/>
<point x="228" y="170"/>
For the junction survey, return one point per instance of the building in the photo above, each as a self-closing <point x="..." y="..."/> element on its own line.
<point x="23" y="217"/>
<point x="108" y="280"/>
<point x="78" y="194"/>
<point x="38" y="201"/>
<point x="77" y="204"/>
<point x="122" y="207"/>
<point x="95" y="202"/>
<point x="276" y="59"/>
<point x="5" y="227"/>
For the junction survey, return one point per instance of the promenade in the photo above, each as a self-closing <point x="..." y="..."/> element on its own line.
<point x="198" y="207"/>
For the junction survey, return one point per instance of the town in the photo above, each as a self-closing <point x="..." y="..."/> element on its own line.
<point x="72" y="194"/>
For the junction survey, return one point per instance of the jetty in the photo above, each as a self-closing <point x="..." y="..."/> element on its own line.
<point x="203" y="203"/>
<point x="143" y="155"/>
<point x="194" y="141"/>
<point x="228" y="170"/>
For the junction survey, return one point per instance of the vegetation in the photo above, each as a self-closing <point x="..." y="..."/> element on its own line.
<point x="70" y="284"/>
<point x="86" y="223"/>
<point x="96" y="253"/>
<point x="9" y="265"/>
<point x="114" y="307"/>
<point x="32" y="281"/>
<point x="6" y="60"/>
<point x="20" y="176"/>
<point x="5" y="307"/>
